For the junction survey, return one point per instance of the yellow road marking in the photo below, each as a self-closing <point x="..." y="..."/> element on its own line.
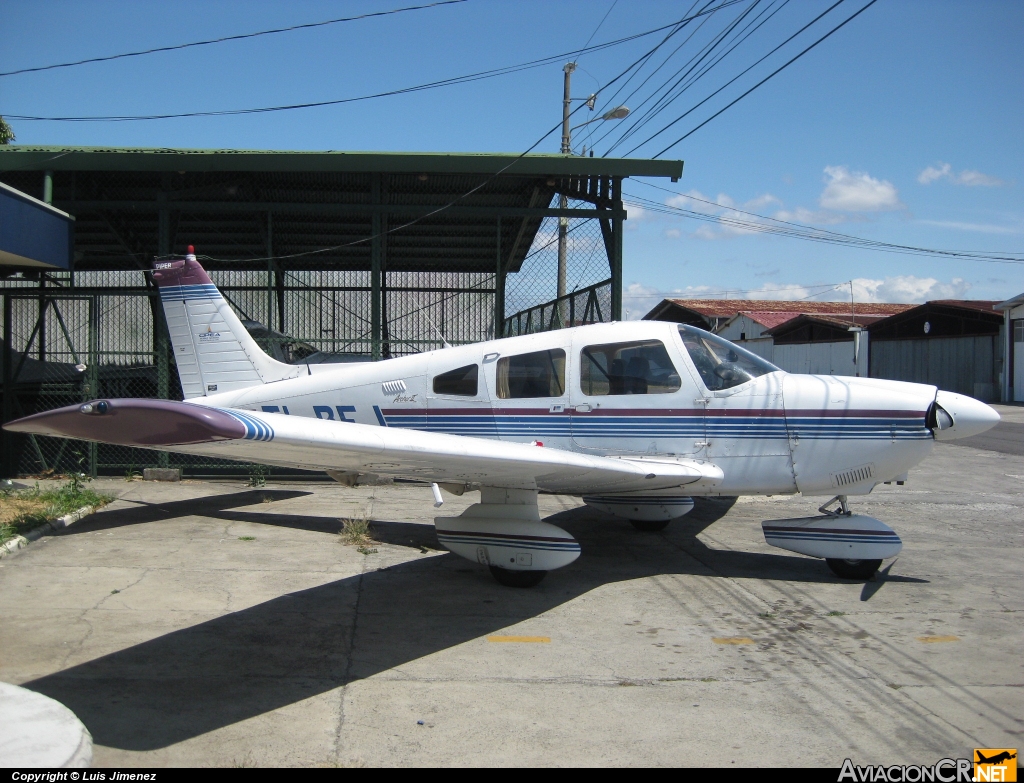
<point x="521" y="639"/>
<point x="934" y="639"/>
<point x="732" y="640"/>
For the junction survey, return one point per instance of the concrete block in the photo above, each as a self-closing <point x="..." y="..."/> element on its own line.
<point x="162" y="474"/>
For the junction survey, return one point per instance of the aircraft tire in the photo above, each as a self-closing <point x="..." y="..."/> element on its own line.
<point x="510" y="578"/>
<point x="649" y="526"/>
<point x="860" y="570"/>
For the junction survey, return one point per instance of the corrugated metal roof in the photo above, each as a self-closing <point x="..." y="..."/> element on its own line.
<point x="73" y="158"/>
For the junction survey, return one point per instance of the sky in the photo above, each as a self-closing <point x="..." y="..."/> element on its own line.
<point x="902" y="127"/>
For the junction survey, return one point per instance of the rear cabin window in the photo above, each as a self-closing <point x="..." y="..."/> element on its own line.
<point x="460" y="383"/>
<point x="540" y="374"/>
<point x="627" y="368"/>
<point x="721" y="364"/>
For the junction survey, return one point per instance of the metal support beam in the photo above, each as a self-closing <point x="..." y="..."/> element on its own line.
<point x="161" y="337"/>
<point x="376" y="252"/>
<point x="270" y="270"/>
<point x="93" y="372"/>
<point x="48" y="187"/>
<point x="499" y="288"/>
<point x="615" y="259"/>
<point x="77" y="207"/>
<point x="7" y="438"/>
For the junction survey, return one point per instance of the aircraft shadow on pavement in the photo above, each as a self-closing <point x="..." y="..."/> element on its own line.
<point x="247" y="663"/>
<point x="140" y="512"/>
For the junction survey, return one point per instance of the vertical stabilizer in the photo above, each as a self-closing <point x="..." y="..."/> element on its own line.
<point x="212" y="349"/>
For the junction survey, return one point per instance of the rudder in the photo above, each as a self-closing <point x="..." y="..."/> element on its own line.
<point x="212" y="348"/>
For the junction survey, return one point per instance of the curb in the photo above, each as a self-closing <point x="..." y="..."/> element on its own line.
<point x="16" y="544"/>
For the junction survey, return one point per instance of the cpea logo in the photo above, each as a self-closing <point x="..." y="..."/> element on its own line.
<point x="995" y="764"/>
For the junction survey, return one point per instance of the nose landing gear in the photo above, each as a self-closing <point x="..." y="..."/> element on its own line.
<point x="852" y="545"/>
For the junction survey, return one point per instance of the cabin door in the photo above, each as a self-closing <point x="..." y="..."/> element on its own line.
<point x="634" y="397"/>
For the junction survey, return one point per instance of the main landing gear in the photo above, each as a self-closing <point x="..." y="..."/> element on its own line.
<point x="846" y="568"/>
<point x="853" y="546"/>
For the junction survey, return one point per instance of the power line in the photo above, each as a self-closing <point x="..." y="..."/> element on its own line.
<point x="479" y="75"/>
<point x="789" y="229"/>
<point x="673" y="93"/>
<point x="591" y="38"/>
<point x="227" y="38"/>
<point x="739" y="75"/>
<point x="769" y="76"/>
<point x="472" y="190"/>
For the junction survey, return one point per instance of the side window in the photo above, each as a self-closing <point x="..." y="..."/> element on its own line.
<point x="721" y="364"/>
<point x="540" y="374"/>
<point x="461" y="382"/>
<point x="627" y="368"/>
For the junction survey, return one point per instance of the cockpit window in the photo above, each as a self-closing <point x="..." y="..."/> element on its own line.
<point x="627" y="368"/>
<point x="539" y="374"/>
<point x="461" y="382"/>
<point x="721" y="364"/>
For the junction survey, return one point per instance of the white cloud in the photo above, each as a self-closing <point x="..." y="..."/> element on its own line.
<point x="673" y="233"/>
<point x="973" y="178"/>
<point x="968" y="177"/>
<point x="635" y="212"/>
<point x="930" y="174"/>
<point x="857" y="191"/>
<point x="982" y="228"/>
<point x="818" y="217"/>
<point x="908" y="289"/>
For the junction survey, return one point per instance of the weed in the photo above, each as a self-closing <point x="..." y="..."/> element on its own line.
<point x="708" y="679"/>
<point x="266" y="499"/>
<point x="21" y="511"/>
<point x="894" y="686"/>
<point x="366" y="550"/>
<point x="258" y="475"/>
<point x="247" y="538"/>
<point x="355" y="531"/>
<point x="114" y="592"/>
<point x="766" y="616"/>
<point x="132" y="474"/>
<point x="835" y="613"/>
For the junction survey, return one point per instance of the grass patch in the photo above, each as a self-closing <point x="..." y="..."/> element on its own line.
<point x="23" y="510"/>
<point x="355" y="531"/>
<point x="247" y="538"/>
<point x="835" y="614"/>
<point x="766" y="616"/>
<point x="365" y="550"/>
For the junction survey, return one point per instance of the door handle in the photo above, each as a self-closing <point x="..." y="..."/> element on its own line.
<point x="584" y="408"/>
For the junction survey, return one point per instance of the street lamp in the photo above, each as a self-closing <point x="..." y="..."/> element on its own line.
<point x="563" y="201"/>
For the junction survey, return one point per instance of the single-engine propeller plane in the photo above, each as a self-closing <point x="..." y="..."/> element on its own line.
<point x="635" y="418"/>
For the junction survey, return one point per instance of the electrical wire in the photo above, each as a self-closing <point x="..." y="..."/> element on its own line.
<point x="789" y="229"/>
<point x="768" y="77"/>
<point x="674" y="93"/>
<point x="735" y="78"/>
<point x="227" y="38"/>
<point x="479" y="75"/>
<point x="469" y="192"/>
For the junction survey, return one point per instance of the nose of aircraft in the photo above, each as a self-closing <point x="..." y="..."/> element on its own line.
<point x="958" y="416"/>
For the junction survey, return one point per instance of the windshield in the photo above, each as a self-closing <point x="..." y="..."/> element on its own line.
<point x="721" y="364"/>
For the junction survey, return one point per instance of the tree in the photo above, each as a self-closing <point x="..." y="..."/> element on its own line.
<point x="6" y="134"/>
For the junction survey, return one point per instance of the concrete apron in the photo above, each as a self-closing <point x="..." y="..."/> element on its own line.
<point x="40" y="732"/>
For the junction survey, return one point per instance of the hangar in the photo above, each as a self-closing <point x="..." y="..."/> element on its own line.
<point x="957" y="345"/>
<point x="345" y="255"/>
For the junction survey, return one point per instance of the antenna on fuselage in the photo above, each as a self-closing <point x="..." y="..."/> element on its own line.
<point x="437" y="331"/>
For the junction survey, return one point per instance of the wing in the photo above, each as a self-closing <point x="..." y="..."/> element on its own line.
<point x="313" y="444"/>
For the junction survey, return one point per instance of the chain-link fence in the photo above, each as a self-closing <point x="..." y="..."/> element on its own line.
<point x="326" y="267"/>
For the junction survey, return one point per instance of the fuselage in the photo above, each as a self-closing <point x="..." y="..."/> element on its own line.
<point x="632" y="389"/>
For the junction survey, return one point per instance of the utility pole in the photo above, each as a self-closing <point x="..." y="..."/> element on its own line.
<point x="563" y="200"/>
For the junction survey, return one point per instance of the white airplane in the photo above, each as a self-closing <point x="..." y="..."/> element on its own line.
<point x="636" y="418"/>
